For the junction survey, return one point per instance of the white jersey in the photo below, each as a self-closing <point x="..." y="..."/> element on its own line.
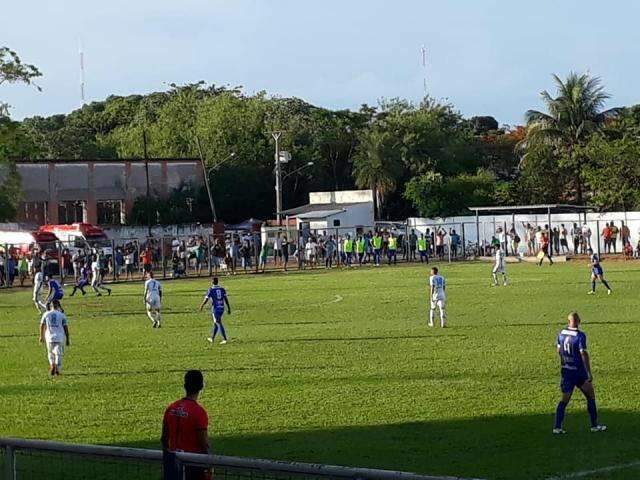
<point x="152" y="288"/>
<point x="438" y="284"/>
<point x="499" y="266"/>
<point x="54" y="322"/>
<point x="95" y="268"/>
<point x="38" y="280"/>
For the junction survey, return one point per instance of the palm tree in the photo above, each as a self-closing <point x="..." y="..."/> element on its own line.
<point x="375" y="165"/>
<point x="573" y="115"/>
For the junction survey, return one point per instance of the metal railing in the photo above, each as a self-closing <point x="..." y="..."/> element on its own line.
<point x="35" y="459"/>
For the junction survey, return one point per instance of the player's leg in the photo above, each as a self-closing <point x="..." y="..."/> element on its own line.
<point x="605" y="283"/>
<point x="567" y="391"/>
<point x="51" y="358"/>
<point x="222" y="331"/>
<point x="590" y="395"/>
<point x="94" y="287"/>
<point x="150" y="314"/>
<point x="432" y="312"/>
<point x="593" y="284"/>
<point x="443" y="313"/>
<point x="59" y="351"/>
<point x="494" y="274"/>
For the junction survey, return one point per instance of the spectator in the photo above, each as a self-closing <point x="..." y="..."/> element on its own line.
<point x="147" y="259"/>
<point x="392" y="248"/>
<point x="454" y="240"/>
<point x="440" y="234"/>
<point x="614" y="237"/>
<point x="555" y="237"/>
<point x="413" y="245"/>
<point x="184" y="429"/>
<point x="23" y="269"/>
<point x="11" y="269"/>
<point x="625" y="234"/>
<point x="563" y="239"/>
<point x="330" y="248"/>
<point x="119" y="262"/>
<point x="586" y="238"/>
<point x="576" y="235"/>
<point x="606" y="237"/>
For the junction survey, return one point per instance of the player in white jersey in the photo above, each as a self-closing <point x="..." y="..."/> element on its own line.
<point x="438" y="298"/>
<point x="55" y="332"/>
<point x="499" y="267"/>
<point x="153" y="299"/>
<point x="38" y="282"/>
<point x="96" y="277"/>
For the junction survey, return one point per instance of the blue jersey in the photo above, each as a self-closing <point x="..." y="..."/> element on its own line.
<point x="571" y="343"/>
<point x="56" y="289"/>
<point x="217" y="295"/>
<point x="596" y="268"/>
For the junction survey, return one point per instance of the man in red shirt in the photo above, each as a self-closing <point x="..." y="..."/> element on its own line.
<point x="184" y="427"/>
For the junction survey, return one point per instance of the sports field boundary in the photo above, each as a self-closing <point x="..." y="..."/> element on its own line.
<point x="596" y="471"/>
<point x="10" y="449"/>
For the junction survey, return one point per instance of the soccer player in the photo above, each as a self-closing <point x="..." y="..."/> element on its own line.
<point x="597" y="274"/>
<point x="438" y="297"/>
<point x="55" y="292"/>
<point x="153" y="300"/>
<point x="575" y="372"/>
<point x="83" y="281"/>
<point x="38" y="282"/>
<point x="218" y="296"/>
<point x="55" y="331"/>
<point x="96" y="277"/>
<point x="499" y="268"/>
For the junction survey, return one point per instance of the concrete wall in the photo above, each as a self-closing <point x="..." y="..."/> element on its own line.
<point x="345" y="196"/>
<point x="92" y="182"/>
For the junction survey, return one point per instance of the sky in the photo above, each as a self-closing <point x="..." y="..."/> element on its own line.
<point x="489" y="57"/>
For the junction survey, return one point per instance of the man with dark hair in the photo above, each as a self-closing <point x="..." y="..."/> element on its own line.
<point x="184" y="429"/>
<point x="218" y="297"/>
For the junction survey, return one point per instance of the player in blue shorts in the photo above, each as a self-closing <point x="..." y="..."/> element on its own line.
<point x="218" y="296"/>
<point x="83" y="281"/>
<point x="55" y="290"/>
<point x="597" y="274"/>
<point x="575" y="371"/>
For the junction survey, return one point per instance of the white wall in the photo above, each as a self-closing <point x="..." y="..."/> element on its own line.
<point x="489" y="224"/>
<point x="345" y="196"/>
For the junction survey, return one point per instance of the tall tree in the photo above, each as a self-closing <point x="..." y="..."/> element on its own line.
<point x="12" y="70"/>
<point x="376" y="165"/>
<point x="572" y="116"/>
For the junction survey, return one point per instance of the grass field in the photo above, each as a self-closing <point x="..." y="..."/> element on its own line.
<point x="341" y="368"/>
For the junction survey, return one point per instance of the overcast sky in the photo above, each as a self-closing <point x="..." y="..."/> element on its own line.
<point x="486" y="57"/>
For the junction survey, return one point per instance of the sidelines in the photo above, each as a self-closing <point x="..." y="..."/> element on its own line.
<point x="271" y="468"/>
<point x="586" y="473"/>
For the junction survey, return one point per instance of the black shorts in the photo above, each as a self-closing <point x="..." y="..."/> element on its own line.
<point x="146" y="267"/>
<point x="129" y="267"/>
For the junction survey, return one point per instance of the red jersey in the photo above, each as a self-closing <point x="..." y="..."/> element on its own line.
<point x="183" y="419"/>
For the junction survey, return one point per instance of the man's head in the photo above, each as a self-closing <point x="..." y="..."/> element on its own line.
<point x="193" y="382"/>
<point x="53" y="305"/>
<point x="149" y="274"/>
<point x="574" y="320"/>
<point x="215" y="280"/>
<point x="434" y="270"/>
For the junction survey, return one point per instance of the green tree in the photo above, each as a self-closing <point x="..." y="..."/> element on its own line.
<point x="376" y="165"/>
<point x="573" y="115"/>
<point x="13" y="70"/>
<point x="435" y="195"/>
<point x="612" y="172"/>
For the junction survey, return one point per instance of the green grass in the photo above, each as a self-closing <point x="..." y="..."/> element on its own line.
<point x="360" y="382"/>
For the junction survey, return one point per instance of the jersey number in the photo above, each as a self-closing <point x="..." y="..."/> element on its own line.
<point x="567" y="345"/>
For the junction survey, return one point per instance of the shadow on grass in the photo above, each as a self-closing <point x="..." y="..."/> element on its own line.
<point x="503" y="447"/>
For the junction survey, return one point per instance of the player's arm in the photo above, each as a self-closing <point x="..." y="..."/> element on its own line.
<point x="587" y="363"/>
<point x="226" y="301"/>
<point x="144" y="294"/>
<point x="204" y="302"/>
<point x="66" y="333"/>
<point x="160" y="290"/>
<point x="41" y="337"/>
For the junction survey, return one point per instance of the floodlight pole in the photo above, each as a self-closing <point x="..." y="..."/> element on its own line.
<point x="146" y="169"/>
<point x="206" y="183"/>
<point x="276" y="136"/>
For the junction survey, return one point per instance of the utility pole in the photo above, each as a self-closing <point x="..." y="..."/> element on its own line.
<point x="146" y="170"/>
<point x="276" y="136"/>
<point x="205" y="172"/>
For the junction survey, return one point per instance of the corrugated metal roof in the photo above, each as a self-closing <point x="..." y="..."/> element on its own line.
<point x="319" y="214"/>
<point x="317" y="207"/>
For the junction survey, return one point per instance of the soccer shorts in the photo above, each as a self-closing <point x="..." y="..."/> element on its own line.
<point x="597" y="271"/>
<point x="438" y="301"/>
<point x="498" y="268"/>
<point x="56" y="296"/>
<point x="55" y="350"/>
<point x="423" y="253"/>
<point x="217" y="314"/>
<point x="153" y="302"/>
<point x="570" y="379"/>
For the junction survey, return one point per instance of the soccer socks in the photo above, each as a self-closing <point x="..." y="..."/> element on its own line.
<point x="560" y="409"/>
<point x="151" y="316"/>
<point x="218" y="327"/>
<point x="443" y="317"/>
<point x="593" y="285"/>
<point x="593" y="411"/>
<point x="432" y="314"/>
<point x="495" y="278"/>
<point x="604" y="282"/>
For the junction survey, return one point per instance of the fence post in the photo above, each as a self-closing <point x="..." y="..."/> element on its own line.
<point x="209" y="255"/>
<point x="6" y="265"/>
<point x="114" y="262"/>
<point x="464" y="247"/>
<point x="9" y="462"/>
<point x="163" y="257"/>
<point x="597" y="237"/>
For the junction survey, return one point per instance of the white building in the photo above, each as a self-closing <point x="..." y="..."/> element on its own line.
<point x="345" y="211"/>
